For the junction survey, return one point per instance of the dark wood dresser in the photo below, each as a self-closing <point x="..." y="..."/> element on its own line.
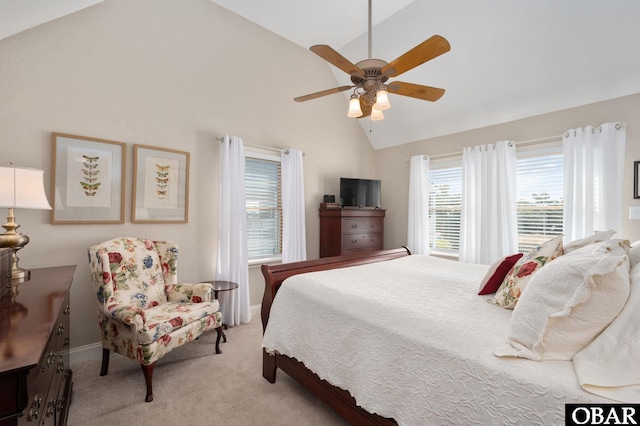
<point x="347" y="230"/>
<point x="35" y="378"/>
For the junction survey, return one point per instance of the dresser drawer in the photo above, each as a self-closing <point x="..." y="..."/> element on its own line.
<point x="36" y="408"/>
<point x="360" y="226"/>
<point x="369" y="241"/>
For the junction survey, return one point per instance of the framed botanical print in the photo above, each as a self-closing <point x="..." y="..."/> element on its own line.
<point x="87" y="184"/>
<point x="160" y="185"/>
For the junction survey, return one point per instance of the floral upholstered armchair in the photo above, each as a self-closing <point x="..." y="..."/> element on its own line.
<point x="142" y="310"/>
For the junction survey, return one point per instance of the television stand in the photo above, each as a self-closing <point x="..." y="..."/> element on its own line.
<point x="351" y="230"/>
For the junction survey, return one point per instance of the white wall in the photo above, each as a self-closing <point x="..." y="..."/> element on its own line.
<point x="171" y="74"/>
<point x="393" y="170"/>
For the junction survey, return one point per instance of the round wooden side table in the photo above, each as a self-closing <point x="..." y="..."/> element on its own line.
<point x="222" y="286"/>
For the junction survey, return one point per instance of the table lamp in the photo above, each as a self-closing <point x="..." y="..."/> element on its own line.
<point x="22" y="188"/>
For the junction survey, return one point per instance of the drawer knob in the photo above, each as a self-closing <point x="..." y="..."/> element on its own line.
<point x="354" y="241"/>
<point x="354" y="226"/>
<point x="51" y="408"/>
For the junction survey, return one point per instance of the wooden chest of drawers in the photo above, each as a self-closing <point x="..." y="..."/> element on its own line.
<point x="35" y="379"/>
<point x="345" y="231"/>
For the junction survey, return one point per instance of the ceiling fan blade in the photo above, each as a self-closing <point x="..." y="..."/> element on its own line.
<point x="365" y="106"/>
<point x="425" y="51"/>
<point x="415" y="91"/>
<point x="333" y="57"/>
<point x="322" y="93"/>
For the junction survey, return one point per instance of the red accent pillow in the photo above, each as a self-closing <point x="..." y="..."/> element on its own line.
<point x="496" y="273"/>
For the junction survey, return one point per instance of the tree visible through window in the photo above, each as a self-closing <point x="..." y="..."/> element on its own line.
<point x="263" y="189"/>
<point x="539" y="191"/>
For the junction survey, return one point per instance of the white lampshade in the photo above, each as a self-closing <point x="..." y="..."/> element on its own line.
<point x="23" y="188"/>
<point x="376" y="114"/>
<point x="382" y="100"/>
<point x="354" y="107"/>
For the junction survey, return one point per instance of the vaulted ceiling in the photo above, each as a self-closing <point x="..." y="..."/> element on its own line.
<point x="509" y="59"/>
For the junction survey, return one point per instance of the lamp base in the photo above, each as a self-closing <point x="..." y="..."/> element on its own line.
<point x="18" y="274"/>
<point x="15" y="241"/>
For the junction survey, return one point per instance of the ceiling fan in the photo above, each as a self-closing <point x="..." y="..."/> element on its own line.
<point x="369" y="76"/>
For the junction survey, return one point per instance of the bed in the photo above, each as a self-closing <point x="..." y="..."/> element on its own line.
<point x="387" y="337"/>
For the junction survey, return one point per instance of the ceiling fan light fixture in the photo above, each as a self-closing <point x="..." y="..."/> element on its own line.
<point x="382" y="101"/>
<point x="369" y="76"/>
<point x="376" y="114"/>
<point x="354" y="107"/>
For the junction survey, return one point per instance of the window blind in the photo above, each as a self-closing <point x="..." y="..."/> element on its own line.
<point x="445" y="196"/>
<point x="263" y="189"/>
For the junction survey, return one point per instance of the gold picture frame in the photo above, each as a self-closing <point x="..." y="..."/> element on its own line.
<point x="160" y="185"/>
<point x="87" y="184"/>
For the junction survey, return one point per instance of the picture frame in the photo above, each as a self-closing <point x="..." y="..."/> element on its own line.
<point x="160" y="185"/>
<point x="636" y="179"/>
<point x="88" y="175"/>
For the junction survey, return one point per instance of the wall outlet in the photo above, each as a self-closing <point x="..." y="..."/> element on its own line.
<point x="634" y="212"/>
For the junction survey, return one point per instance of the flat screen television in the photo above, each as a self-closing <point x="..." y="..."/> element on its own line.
<point x="359" y="193"/>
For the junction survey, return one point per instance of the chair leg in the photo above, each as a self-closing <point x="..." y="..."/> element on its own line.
<point x="220" y="333"/>
<point x="105" y="362"/>
<point x="148" y="379"/>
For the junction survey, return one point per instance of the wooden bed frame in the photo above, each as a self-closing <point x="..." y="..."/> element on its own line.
<point x="338" y="399"/>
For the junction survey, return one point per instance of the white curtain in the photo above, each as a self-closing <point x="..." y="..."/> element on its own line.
<point x="232" y="264"/>
<point x="488" y="224"/>
<point x="593" y="179"/>
<point x="294" y="242"/>
<point x="418" y="220"/>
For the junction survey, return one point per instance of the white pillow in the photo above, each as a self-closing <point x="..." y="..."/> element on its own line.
<point x="591" y="239"/>
<point x="569" y="302"/>
<point x="609" y="365"/>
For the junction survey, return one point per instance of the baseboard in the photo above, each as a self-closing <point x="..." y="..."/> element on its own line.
<point x="255" y="311"/>
<point x="82" y="354"/>
<point x="93" y="352"/>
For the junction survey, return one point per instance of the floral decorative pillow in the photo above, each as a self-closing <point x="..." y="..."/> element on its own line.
<point x="516" y="280"/>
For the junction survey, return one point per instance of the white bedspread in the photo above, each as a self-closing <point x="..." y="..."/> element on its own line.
<point x="411" y="339"/>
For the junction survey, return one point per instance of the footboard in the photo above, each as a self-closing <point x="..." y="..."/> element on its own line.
<point x="275" y="275"/>
<point x="338" y="399"/>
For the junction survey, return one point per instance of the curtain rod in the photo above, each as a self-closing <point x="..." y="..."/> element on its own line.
<point x="521" y="143"/>
<point x="524" y="143"/>
<point x="267" y="148"/>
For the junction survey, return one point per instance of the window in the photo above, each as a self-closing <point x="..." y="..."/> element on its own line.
<point x="263" y="189"/>
<point x="539" y="194"/>
<point x="445" y="196"/>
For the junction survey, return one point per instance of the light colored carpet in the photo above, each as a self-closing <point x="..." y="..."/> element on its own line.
<point x="194" y="386"/>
